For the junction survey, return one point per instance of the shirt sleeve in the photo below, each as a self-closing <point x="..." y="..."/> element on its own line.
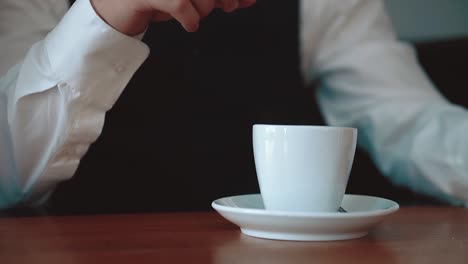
<point x="53" y="101"/>
<point x="370" y="80"/>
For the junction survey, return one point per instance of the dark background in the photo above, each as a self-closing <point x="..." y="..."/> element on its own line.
<point x="180" y="134"/>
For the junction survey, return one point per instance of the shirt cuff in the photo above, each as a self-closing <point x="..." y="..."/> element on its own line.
<point x="84" y="46"/>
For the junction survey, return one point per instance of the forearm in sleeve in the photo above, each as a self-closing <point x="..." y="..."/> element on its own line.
<point x="370" y="80"/>
<point x="55" y="101"/>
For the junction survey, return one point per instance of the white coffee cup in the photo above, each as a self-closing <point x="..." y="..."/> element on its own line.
<point x="303" y="168"/>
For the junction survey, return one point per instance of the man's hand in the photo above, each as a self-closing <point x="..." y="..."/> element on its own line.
<point x="132" y="17"/>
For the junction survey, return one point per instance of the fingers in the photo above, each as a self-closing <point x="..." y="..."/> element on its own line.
<point x="182" y="10"/>
<point x="246" y="3"/>
<point x="227" y="5"/>
<point x="232" y="5"/>
<point x="187" y="15"/>
<point x="189" y="12"/>
<point x="160" y="16"/>
<point x="204" y="7"/>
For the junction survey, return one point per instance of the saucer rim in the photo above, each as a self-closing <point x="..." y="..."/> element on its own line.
<point x="262" y="212"/>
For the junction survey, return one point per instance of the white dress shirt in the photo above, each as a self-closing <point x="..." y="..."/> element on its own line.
<point x="59" y="76"/>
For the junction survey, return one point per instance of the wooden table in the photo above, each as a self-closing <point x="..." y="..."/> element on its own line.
<point x="412" y="235"/>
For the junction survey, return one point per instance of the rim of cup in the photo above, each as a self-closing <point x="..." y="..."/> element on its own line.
<point x="318" y="127"/>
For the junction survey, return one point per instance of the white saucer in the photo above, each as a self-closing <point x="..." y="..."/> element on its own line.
<point x="363" y="213"/>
